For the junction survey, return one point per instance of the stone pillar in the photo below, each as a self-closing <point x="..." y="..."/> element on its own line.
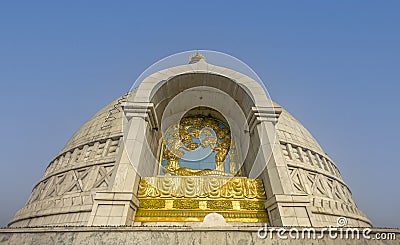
<point x="284" y="206"/>
<point x="119" y="204"/>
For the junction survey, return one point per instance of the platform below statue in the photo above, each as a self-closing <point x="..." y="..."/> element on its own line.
<point x="190" y="199"/>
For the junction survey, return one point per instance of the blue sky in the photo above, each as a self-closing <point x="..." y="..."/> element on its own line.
<point x="333" y="64"/>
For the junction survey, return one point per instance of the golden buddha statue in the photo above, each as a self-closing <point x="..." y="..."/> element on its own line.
<point x="189" y="135"/>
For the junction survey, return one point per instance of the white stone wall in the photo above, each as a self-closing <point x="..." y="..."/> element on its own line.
<point x="314" y="174"/>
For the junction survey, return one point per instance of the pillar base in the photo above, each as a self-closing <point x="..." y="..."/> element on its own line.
<point x="113" y="208"/>
<point x="289" y="210"/>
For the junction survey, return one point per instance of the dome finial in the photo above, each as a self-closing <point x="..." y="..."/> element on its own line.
<point x="196" y="57"/>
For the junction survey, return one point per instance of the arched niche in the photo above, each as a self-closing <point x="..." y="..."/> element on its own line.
<point x="206" y="88"/>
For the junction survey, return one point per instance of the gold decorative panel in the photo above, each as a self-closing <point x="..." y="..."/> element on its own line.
<point x="185" y="204"/>
<point x="212" y="187"/>
<point x="190" y="199"/>
<point x="219" y="204"/>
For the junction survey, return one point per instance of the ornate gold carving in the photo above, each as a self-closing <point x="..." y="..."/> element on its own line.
<point x="152" y="203"/>
<point x="198" y="216"/>
<point x="189" y="199"/>
<point x="251" y="205"/>
<point x="182" y="136"/>
<point x="169" y="186"/>
<point x="194" y="172"/>
<point x="219" y="204"/>
<point x="173" y="161"/>
<point x="189" y="213"/>
<point x="222" y="148"/>
<point x="186" y="204"/>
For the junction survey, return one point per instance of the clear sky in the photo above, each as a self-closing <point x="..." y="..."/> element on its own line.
<point x="335" y="65"/>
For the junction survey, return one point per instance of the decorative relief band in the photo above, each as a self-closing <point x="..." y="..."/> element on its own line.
<point x="185" y="204"/>
<point x="319" y="185"/>
<point x="83" y="154"/>
<point x="212" y="187"/>
<point x="197" y="216"/>
<point x="252" y="205"/>
<point x="175" y="199"/>
<point x="152" y="203"/>
<point x="70" y="179"/>
<point x="96" y="177"/>
<point x="219" y="204"/>
<point x="306" y="156"/>
<point x="316" y="175"/>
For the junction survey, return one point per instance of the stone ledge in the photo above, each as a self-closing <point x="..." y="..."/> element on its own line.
<point x="155" y="228"/>
<point x="167" y="234"/>
<point x="33" y="215"/>
<point x="293" y="199"/>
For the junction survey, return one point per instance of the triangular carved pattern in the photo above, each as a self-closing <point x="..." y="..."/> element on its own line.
<point x="319" y="185"/>
<point x="37" y="192"/>
<point x="82" y="176"/>
<point x="329" y="187"/>
<point x="296" y="180"/>
<point x="103" y="177"/>
<point x="346" y="195"/>
<point x="53" y="186"/>
<point x="335" y="193"/>
<point x="315" y="182"/>
<point x="65" y="183"/>
<point x="310" y="178"/>
<point x="77" y="180"/>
